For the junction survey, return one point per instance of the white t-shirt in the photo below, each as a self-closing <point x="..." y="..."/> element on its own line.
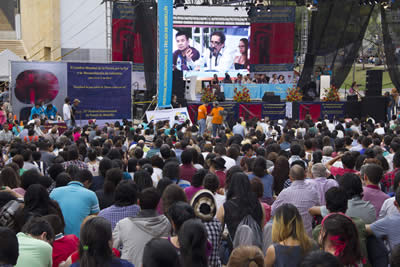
<point x="66" y="112"/>
<point x="229" y="162"/>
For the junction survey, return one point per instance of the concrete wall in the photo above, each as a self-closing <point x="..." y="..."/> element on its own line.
<point x="40" y="27"/>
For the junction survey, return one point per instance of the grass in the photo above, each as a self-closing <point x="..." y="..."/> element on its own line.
<point x="360" y="77"/>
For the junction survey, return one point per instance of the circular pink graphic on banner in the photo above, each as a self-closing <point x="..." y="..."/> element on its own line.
<point x="33" y="86"/>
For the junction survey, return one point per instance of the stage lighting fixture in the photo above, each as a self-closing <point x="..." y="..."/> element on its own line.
<point x="185" y="7"/>
<point x="268" y="9"/>
<point x="258" y="9"/>
<point x="179" y="3"/>
<point x="236" y="9"/>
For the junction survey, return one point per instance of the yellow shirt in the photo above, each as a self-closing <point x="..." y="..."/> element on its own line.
<point x="202" y="112"/>
<point x="217" y="118"/>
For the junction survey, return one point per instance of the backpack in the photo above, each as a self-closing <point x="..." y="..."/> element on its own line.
<point x="248" y="233"/>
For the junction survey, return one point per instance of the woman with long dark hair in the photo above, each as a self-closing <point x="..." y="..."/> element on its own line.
<point x="339" y="236"/>
<point x="280" y="174"/>
<point x="259" y="170"/>
<point x="38" y="203"/>
<point x="106" y="195"/>
<point x="242" y="61"/>
<point x="193" y="244"/>
<point x="94" y="245"/>
<point x="240" y="202"/>
<point x="159" y="252"/>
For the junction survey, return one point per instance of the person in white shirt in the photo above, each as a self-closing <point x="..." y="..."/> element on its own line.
<point x="67" y="112"/>
<point x="380" y="130"/>
<point x="217" y="57"/>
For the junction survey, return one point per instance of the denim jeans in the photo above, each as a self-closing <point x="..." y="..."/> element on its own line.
<point x="215" y="128"/>
<point x="68" y="123"/>
<point x="202" y="126"/>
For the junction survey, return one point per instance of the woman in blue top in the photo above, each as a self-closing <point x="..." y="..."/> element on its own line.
<point x="94" y="245"/>
<point x="260" y="170"/>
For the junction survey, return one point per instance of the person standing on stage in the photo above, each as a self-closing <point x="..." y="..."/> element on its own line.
<point x="73" y="111"/>
<point x="217" y="118"/>
<point x="201" y="118"/>
<point x="67" y="112"/>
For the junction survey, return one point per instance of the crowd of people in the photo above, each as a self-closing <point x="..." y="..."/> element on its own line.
<point x="264" y="193"/>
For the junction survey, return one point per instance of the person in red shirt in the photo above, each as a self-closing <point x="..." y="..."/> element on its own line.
<point x="63" y="245"/>
<point x="187" y="170"/>
<point x="217" y="166"/>
<point x="348" y="161"/>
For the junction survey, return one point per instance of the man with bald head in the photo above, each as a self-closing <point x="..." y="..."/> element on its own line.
<point x="300" y="194"/>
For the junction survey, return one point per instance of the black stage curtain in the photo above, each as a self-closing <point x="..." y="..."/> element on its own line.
<point x="146" y="25"/>
<point x="336" y="33"/>
<point x="391" y="39"/>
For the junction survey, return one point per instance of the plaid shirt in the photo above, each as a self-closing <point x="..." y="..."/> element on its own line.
<point x="80" y="164"/>
<point x="115" y="213"/>
<point x="214" y="232"/>
<point x="388" y="180"/>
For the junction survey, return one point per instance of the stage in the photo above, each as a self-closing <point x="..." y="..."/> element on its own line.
<point x="296" y="110"/>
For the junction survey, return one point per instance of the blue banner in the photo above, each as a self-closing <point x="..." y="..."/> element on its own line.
<point x="165" y="23"/>
<point x="274" y="111"/>
<point x="333" y="109"/>
<point x="104" y="90"/>
<point x="257" y="90"/>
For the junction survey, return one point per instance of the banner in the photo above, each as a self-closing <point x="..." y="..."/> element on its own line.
<point x="249" y="111"/>
<point x="333" y="109"/>
<point x="274" y="111"/>
<point x="104" y="90"/>
<point x="165" y="23"/>
<point x="310" y="109"/>
<point x="257" y="90"/>
<point x="37" y="82"/>
<point x="272" y="39"/>
<point x="177" y="115"/>
<point x="126" y="39"/>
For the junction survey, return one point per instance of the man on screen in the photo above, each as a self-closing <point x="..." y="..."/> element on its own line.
<point x="185" y="56"/>
<point x="217" y="58"/>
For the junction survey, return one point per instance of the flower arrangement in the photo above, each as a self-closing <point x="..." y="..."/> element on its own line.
<point x="241" y="95"/>
<point x="331" y="94"/>
<point x="207" y="95"/>
<point x="294" y="94"/>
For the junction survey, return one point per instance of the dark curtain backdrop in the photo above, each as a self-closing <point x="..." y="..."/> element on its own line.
<point x="146" y="24"/>
<point x="336" y="34"/>
<point x="391" y="38"/>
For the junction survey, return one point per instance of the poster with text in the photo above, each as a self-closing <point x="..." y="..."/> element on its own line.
<point x="104" y="90"/>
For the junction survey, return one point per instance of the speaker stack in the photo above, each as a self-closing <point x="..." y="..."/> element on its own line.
<point x="374" y="83"/>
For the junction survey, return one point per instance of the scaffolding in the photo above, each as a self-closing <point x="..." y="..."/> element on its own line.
<point x="304" y="35"/>
<point x="108" y="7"/>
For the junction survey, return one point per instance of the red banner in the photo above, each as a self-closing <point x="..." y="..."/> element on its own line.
<point x="249" y="111"/>
<point x="313" y="109"/>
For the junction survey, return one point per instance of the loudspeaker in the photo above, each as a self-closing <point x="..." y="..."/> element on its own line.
<point x="190" y="88"/>
<point x="271" y="98"/>
<point x="374" y="83"/>
<point x="352" y="109"/>
<point x="178" y="85"/>
<point x="352" y="98"/>
<point x="374" y="106"/>
<point x="220" y="97"/>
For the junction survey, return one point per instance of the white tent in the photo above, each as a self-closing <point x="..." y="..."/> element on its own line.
<point x="5" y="57"/>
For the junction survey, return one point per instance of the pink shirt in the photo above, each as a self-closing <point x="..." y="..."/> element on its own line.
<point x="374" y="194"/>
